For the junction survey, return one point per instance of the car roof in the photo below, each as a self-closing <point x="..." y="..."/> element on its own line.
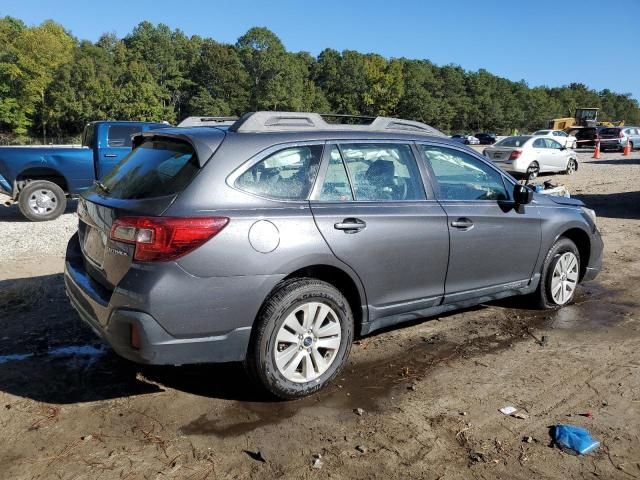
<point x="205" y="140"/>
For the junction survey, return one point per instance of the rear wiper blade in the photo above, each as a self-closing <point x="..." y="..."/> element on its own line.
<point x="101" y="186"/>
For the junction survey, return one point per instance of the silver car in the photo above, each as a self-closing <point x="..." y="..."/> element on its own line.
<point x="278" y="240"/>
<point x="532" y="155"/>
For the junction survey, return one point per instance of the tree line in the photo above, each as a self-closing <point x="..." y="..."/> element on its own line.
<point x="52" y="84"/>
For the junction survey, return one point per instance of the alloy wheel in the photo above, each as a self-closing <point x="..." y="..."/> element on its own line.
<point x="307" y="342"/>
<point x="564" y="278"/>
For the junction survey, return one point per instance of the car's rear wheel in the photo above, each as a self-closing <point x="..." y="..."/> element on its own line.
<point x="560" y="275"/>
<point x="301" y="339"/>
<point x="572" y="166"/>
<point x="42" y="200"/>
<point x="533" y="170"/>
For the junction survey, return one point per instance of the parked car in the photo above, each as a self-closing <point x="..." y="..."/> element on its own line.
<point x="615" y="138"/>
<point x="531" y="155"/>
<point x="279" y="240"/>
<point x="564" y="139"/>
<point x="586" y="137"/>
<point x="39" y="179"/>
<point x="465" y="139"/>
<point x="486" y="138"/>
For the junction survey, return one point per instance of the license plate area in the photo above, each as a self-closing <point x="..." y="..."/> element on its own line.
<point x="95" y="242"/>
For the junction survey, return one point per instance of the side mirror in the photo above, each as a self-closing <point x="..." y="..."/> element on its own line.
<point x="522" y="194"/>
<point x="563" y="148"/>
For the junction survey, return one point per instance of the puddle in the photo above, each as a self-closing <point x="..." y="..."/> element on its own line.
<point x="88" y="352"/>
<point x="14" y="357"/>
<point x="371" y="384"/>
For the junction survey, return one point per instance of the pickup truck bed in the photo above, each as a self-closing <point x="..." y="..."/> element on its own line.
<point x="40" y="179"/>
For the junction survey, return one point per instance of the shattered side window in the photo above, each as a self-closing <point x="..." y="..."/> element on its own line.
<point x="287" y="174"/>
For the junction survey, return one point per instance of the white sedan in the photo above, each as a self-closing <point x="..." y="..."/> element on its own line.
<point x="531" y="155"/>
<point x="563" y="138"/>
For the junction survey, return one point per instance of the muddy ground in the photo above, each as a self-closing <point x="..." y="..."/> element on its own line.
<point x="430" y="391"/>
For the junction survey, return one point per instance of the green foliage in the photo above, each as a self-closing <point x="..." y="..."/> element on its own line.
<point x="52" y="83"/>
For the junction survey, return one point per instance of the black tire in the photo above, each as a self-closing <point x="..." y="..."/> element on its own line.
<point x="260" y="361"/>
<point x="51" y="209"/>
<point x="542" y="297"/>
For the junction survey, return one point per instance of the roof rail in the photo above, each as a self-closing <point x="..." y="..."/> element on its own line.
<point x="301" y="121"/>
<point x="207" y="121"/>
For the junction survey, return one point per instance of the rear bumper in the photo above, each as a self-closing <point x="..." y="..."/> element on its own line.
<point x="611" y="145"/>
<point x="112" y="317"/>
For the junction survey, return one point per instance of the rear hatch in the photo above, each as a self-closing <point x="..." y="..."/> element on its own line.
<point x="143" y="185"/>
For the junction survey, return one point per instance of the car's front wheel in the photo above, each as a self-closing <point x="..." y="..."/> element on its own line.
<point x="572" y="166"/>
<point x="301" y="339"/>
<point x="560" y="275"/>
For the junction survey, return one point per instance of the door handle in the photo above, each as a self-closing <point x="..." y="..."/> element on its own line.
<point x="110" y="155"/>
<point x="462" y="223"/>
<point x="350" y="225"/>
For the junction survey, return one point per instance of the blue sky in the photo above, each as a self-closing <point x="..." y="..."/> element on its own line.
<point x="543" y="42"/>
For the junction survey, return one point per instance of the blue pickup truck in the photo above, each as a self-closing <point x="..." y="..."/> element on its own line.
<point x="39" y="179"/>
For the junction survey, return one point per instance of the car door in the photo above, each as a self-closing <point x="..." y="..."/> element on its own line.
<point x="372" y="209"/>
<point x="494" y="245"/>
<point x="539" y="146"/>
<point x="556" y="156"/>
<point x="116" y="146"/>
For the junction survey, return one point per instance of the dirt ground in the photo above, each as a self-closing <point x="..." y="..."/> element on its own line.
<point x="430" y="391"/>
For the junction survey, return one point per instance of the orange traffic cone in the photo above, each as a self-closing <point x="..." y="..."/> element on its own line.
<point x="627" y="148"/>
<point x="596" y="152"/>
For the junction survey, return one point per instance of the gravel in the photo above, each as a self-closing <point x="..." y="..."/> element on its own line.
<point x="22" y="239"/>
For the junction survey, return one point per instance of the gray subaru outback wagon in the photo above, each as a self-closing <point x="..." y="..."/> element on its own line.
<point x="276" y="240"/>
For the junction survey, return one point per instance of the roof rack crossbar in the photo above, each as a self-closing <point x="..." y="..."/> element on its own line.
<point x="300" y="121"/>
<point x="204" y="120"/>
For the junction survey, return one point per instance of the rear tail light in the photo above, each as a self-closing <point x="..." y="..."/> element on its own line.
<point x="159" y="239"/>
<point x="515" y="154"/>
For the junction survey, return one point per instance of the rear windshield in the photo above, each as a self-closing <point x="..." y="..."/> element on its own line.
<point x="610" y="131"/>
<point x="157" y="168"/>
<point x="512" y="141"/>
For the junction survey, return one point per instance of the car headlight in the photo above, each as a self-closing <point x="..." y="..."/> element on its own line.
<point x="590" y="213"/>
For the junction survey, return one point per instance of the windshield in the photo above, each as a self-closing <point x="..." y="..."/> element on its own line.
<point x="156" y="168"/>
<point x="610" y="131"/>
<point x="513" y="141"/>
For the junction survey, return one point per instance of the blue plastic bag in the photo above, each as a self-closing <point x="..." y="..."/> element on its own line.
<point x="575" y="438"/>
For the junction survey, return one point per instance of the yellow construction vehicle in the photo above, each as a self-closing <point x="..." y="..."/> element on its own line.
<point x="584" y="117"/>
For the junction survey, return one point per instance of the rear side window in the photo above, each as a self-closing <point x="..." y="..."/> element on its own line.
<point x="539" y="143"/>
<point x="156" y="168"/>
<point x="463" y="177"/>
<point x="287" y="174"/>
<point x="87" y="136"/>
<point x="120" y="135"/>
<point x="383" y="172"/>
